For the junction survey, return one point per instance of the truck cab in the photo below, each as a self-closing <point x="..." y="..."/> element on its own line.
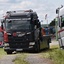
<point x="22" y="31"/>
<point x="60" y="28"/>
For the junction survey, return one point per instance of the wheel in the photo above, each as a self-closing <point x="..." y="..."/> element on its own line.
<point x="48" y="46"/>
<point x="9" y="52"/>
<point x="61" y="47"/>
<point x="37" y="48"/>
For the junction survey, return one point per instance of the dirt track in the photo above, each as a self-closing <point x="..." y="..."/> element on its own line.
<point x="31" y="58"/>
<point x="8" y="59"/>
<point x="36" y="59"/>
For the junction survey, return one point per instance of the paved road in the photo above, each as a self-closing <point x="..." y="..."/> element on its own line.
<point x="8" y="59"/>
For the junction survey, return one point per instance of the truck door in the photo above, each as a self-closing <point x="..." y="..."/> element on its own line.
<point x="61" y="32"/>
<point x="37" y="29"/>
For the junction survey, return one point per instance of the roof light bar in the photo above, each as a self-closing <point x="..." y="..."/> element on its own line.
<point x="19" y="11"/>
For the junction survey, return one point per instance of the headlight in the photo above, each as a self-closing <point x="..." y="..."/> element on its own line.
<point x="30" y="46"/>
<point x="29" y="33"/>
<point x="9" y="33"/>
<point x="6" y="44"/>
<point x="32" y="43"/>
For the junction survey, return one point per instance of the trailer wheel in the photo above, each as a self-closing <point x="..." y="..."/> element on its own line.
<point x="37" y="48"/>
<point x="9" y="52"/>
<point x="48" y="46"/>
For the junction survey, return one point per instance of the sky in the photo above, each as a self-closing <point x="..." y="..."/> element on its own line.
<point x="41" y="7"/>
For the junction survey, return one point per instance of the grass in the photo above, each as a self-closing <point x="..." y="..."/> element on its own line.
<point x="2" y="53"/>
<point x="20" y="59"/>
<point x="55" y="54"/>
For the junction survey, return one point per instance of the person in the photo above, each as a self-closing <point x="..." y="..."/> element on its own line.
<point x="46" y="30"/>
<point x="43" y="31"/>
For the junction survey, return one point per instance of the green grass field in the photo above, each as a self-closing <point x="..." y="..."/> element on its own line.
<point x="2" y="53"/>
<point x="55" y="54"/>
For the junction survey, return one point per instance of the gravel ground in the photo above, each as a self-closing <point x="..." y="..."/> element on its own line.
<point x="36" y="59"/>
<point x="8" y="59"/>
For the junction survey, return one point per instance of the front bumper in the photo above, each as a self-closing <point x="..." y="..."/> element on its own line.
<point x="19" y="47"/>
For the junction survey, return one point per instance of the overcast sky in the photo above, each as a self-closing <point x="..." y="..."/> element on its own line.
<point x="42" y="7"/>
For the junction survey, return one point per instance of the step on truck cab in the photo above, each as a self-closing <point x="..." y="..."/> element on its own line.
<point x="22" y="31"/>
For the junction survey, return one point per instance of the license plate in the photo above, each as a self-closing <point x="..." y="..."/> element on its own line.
<point x="19" y="35"/>
<point x="19" y="49"/>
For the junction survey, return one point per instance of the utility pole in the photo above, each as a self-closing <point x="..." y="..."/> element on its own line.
<point x="46" y="19"/>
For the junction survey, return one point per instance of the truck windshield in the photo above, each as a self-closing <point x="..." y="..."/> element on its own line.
<point x="17" y="24"/>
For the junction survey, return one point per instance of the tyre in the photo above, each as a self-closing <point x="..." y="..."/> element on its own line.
<point x="9" y="52"/>
<point x="37" y="48"/>
<point x="48" y="46"/>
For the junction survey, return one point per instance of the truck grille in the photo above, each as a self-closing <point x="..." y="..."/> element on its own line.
<point x="19" y="39"/>
<point x="18" y="42"/>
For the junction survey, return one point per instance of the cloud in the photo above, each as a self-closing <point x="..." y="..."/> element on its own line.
<point x="24" y="5"/>
<point x="37" y="6"/>
<point x="1" y="13"/>
<point x="18" y="0"/>
<point x="21" y="5"/>
<point x="42" y="7"/>
<point x="4" y="1"/>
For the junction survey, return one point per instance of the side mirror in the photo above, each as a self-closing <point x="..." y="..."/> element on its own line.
<point x="62" y="24"/>
<point x="2" y="24"/>
<point x="37" y="23"/>
<point x="9" y="21"/>
<point x="57" y="11"/>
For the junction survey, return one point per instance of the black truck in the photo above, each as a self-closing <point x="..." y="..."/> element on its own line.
<point x="22" y="31"/>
